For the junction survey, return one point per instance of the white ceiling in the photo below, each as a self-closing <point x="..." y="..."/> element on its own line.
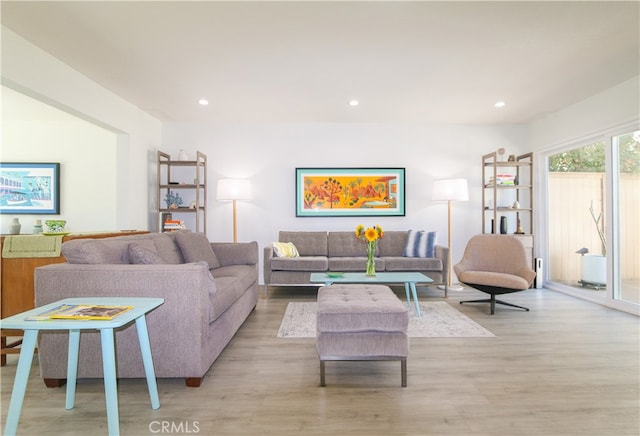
<point x="426" y="62"/>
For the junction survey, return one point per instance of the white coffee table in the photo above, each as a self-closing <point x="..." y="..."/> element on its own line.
<point x="409" y="279"/>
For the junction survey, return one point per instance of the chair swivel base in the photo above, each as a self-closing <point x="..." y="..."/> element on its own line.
<point x="493" y="302"/>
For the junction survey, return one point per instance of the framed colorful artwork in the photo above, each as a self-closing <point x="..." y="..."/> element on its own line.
<point x="30" y="188"/>
<point x="340" y="192"/>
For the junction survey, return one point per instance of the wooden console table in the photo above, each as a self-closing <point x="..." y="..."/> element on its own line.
<point x="17" y="284"/>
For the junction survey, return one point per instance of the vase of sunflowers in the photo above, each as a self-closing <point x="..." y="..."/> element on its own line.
<point x="370" y="236"/>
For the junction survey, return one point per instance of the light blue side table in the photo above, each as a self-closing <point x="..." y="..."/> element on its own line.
<point x="141" y="306"/>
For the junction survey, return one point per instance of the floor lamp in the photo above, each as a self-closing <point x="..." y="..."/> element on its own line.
<point x="234" y="189"/>
<point x="450" y="190"/>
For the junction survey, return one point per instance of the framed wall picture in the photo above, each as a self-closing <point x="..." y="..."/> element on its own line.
<point x="30" y="188"/>
<point x="339" y="192"/>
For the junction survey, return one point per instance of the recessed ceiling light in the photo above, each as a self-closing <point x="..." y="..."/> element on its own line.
<point x="499" y="104"/>
<point x="354" y="103"/>
<point x="203" y="102"/>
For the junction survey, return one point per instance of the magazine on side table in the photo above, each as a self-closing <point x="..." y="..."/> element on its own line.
<point x="80" y="312"/>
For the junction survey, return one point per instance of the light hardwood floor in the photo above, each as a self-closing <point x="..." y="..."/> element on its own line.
<point x="567" y="367"/>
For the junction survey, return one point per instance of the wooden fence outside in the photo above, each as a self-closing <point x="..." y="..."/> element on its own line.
<point x="571" y="226"/>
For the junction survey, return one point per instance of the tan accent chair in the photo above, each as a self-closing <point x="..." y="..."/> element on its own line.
<point x="495" y="264"/>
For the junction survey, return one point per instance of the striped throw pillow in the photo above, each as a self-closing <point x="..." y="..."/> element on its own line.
<point x="420" y="244"/>
<point x="285" y="249"/>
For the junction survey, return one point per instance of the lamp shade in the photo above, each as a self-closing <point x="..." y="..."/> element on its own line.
<point x="450" y="190"/>
<point x="233" y="189"/>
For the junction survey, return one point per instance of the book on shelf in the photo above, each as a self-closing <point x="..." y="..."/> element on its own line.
<point x="173" y="225"/>
<point x="80" y="312"/>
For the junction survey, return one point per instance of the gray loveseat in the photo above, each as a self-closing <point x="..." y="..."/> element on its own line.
<point x="343" y="252"/>
<point x="209" y="291"/>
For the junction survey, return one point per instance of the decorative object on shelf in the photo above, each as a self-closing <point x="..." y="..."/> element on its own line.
<point x="234" y="189"/>
<point x="30" y="188"/>
<point x="54" y="226"/>
<point x="173" y="200"/>
<point x="519" y="230"/>
<point x="503" y="225"/>
<point x="450" y="190"/>
<point x="501" y="152"/>
<point x="192" y="205"/>
<point x="516" y="205"/>
<point x="340" y="192"/>
<point x="14" y="227"/>
<point x="182" y="155"/>
<point x="512" y="158"/>
<point x="37" y="227"/>
<point x="370" y="236"/>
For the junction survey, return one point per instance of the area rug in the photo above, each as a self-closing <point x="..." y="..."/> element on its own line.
<point x="438" y="320"/>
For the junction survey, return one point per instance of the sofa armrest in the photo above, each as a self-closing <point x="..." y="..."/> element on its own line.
<point x="442" y="253"/>
<point x="243" y="253"/>
<point x="266" y="266"/>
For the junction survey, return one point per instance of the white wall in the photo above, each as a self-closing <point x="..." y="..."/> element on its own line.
<point x="33" y="72"/>
<point x="36" y="132"/>
<point x="267" y="155"/>
<point x="612" y="107"/>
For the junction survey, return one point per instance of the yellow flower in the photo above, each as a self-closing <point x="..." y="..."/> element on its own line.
<point x="370" y="234"/>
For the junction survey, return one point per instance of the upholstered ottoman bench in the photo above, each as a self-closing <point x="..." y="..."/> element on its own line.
<point x="361" y="322"/>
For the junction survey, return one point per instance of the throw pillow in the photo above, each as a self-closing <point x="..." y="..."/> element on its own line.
<point x="285" y="249"/>
<point x="141" y="255"/>
<point x="420" y="244"/>
<point x="196" y="247"/>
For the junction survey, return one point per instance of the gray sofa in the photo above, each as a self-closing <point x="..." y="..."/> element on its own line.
<point x="209" y="291"/>
<point x="343" y="252"/>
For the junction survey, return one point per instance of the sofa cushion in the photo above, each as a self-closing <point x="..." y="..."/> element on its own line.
<point x="355" y="263"/>
<point x="97" y="251"/>
<point x="144" y="253"/>
<point x="392" y="244"/>
<point x="420" y="244"/>
<point x="196" y="247"/>
<point x="400" y="263"/>
<point x="302" y="263"/>
<point x="231" y="282"/>
<point x="345" y="244"/>
<point x="167" y="247"/>
<point x="307" y="243"/>
<point x="285" y="249"/>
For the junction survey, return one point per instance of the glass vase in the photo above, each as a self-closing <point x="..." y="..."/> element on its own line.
<point x="371" y="264"/>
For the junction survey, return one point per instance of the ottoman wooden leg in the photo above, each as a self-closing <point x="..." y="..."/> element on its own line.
<point x="322" y="382"/>
<point x="403" y="372"/>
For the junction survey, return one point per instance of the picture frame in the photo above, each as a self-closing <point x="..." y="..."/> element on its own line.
<point x="29" y="188"/>
<point x="344" y="192"/>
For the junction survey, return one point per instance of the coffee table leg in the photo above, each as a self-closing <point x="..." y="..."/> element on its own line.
<point x="110" y="387"/>
<point x="20" y="382"/>
<point x="415" y="297"/>
<point x="406" y="290"/>
<point x="72" y="367"/>
<point x="147" y="360"/>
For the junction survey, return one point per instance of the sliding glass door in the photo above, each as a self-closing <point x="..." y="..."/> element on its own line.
<point x="593" y="221"/>
<point x="626" y="214"/>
